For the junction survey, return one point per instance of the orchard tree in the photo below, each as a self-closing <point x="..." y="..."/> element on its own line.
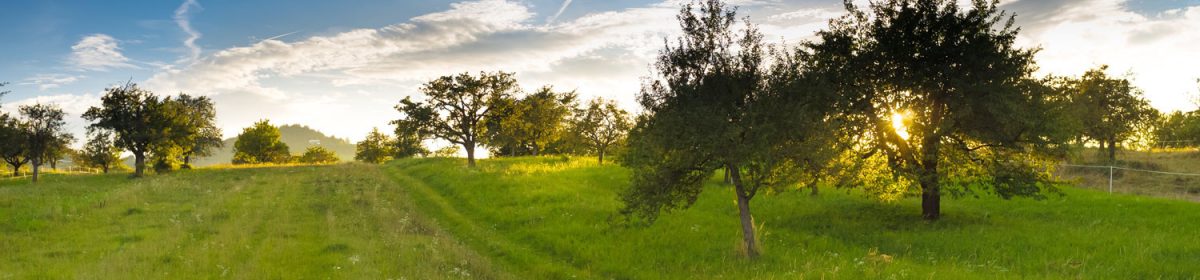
<point x="1114" y="109"/>
<point x="409" y="141"/>
<point x="44" y="134"/>
<point x="99" y="151"/>
<point x="196" y="132"/>
<point x="376" y="148"/>
<point x="714" y="106"/>
<point x="318" y="155"/>
<point x="14" y="135"/>
<point x="137" y="118"/>
<point x="601" y="125"/>
<point x="456" y="106"/>
<point x="530" y="123"/>
<point x="943" y="94"/>
<point x="260" y="143"/>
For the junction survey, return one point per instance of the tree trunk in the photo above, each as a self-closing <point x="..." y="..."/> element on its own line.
<point x="470" y="154"/>
<point x="37" y="164"/>
<point x="139" y="164"/>
<point x="105" y="168"/>
<point x="535" y="149"/>
<point x="931" y="197"/>
<point x="814" y="190"/>
<point x="601" y="156"/>
<point x="743" y="202"/>
<point x="187" y="162"/>
<point x="16" y="170"/>
<point x="1112" y="151"/>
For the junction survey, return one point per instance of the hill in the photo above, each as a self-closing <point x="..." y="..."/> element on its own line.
<point x="297" y="137"/>
<point x="556" y="218"/>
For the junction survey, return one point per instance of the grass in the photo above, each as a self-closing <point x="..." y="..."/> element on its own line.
<point x="554" y="218"/>
<point x="342" y="221"/>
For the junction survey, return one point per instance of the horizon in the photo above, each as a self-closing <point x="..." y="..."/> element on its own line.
<point x="339" y="69"/>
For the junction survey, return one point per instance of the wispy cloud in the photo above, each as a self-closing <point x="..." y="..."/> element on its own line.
<point x="50" y="81"/>
<point x="98" y="52"/>
<point x="183" y="19"/>
<point x="560" y="11"/>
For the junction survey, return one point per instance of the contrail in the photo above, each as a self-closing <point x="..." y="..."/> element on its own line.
<point x="279" y="36"/>
<point x="560" y="11"/>
<point x="181" y="19"/>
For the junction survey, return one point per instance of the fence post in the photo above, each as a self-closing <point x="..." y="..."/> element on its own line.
<point x="1110" y="178"/>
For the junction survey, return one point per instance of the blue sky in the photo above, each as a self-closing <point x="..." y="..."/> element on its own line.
<point x="340" y="66"/>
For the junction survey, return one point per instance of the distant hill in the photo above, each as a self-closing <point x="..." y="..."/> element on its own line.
<point x="297" y="137"/>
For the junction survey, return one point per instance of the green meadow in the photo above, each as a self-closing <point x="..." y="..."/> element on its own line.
<point x="556" y="218"/>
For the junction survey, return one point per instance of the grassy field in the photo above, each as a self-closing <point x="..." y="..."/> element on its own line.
<point x="551" y="218"/>
<point x="1186" y="187"/>
<point x="555" y="218"/>
<point x="315" y="222"/>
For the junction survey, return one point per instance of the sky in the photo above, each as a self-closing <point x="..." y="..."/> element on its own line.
<point x="341" y="66"/>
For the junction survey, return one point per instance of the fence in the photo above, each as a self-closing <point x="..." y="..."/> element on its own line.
<point x="1112" y="169"/>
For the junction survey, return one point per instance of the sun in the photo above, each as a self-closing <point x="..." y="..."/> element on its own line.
<point x="898" y="125"/>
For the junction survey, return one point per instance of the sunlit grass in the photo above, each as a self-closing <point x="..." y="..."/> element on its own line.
<point x="564" y="223"/>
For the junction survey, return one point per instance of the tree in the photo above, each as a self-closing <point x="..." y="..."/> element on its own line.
<point x="137" y="118"/>
<point x="260" y="143"/>
<point x="99" y="151"/>
<point x="197" y="134"/>
<point x="1113" y="109"/>
<point x="14" y="135"/>
<point x="376" y="148"/>
<point x="410" y="138"/>
<point x="44" y="134"/>
<point x="456" y="106"/>
<point x="716" y="106"/>
<point x="602" y="125"/>
<point x="318" y="155"/>
<point x="944" y="95"/>
<point x="530" y="124"/>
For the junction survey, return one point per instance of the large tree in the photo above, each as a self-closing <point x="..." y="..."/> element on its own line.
<point x="137" y="118"/>
<point x="14" y="137"/>
<point x="409" y="141"/>
<point x="601" y="125"/>
<point x="99" y="151"/>
<point x="44" y="134"/>
<point x="196" y="132"/>
<point x="375" y="148"/>
<point x="260" y="143"/>
<point x="456" y="106"/>
<point x="528" y="125"/>
<point x="1113" y="109"/>
<point x="715" y="105"/>
<point x="944" y="95"/>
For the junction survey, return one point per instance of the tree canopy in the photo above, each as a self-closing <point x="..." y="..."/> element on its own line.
<point x="456" y="106"/>
<point x="375" y="148"/>
<point x="45" y="134"/>
<point x="318" y="155"/>
<point x="528" y="125"/>
<point x="260" y="143"/>
<point x="943" y="94"/>
<point x="715" y="105"/>
<point x="99" y="151"/>
<point x="601" y="125"/>
<point x="137" y="118"/>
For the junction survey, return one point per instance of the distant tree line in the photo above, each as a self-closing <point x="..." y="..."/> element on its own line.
<point x="261" y="143"/>
<point x="490" y="110"/>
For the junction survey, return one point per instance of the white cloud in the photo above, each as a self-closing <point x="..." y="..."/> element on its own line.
<point x="50" y="81"/>
<point x="98" y="52"/>
<point x="182" y="19"/>
<point x="1160" y="51"/>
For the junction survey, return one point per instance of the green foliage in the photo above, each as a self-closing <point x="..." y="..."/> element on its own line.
<point x="601" y="125"/>
<point x="445" y="152"/>
<point x="1179" y="129"/>
<point x="45" y="134"/>
<point x="410" y="138"/>
<point x="138" y="119"/>
<point x="1113" y="109"/>
<point x="260" y="144"/>
<point x="318" y="155"/>
<point x="456" y="107"/>
<point x="99" y="151"/>
<point x="529" y="125"/>
<point x="375" y="148"/>
<point x="14" y="135"/>
<point x="975" y="117"/>
<point x="719" y="104"/>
